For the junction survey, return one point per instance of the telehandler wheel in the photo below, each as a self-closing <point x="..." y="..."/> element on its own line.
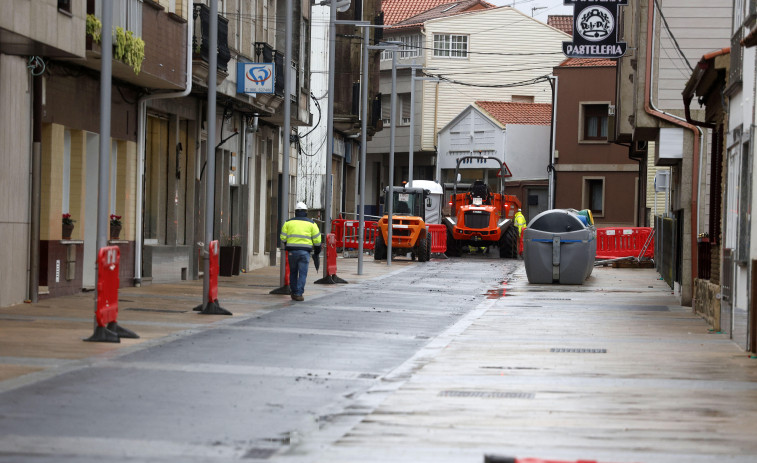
<point x="379" y="250"/>
<point x="508" y="244"/>
<point x="423" y="249"/>
<point x="453" y="250"/>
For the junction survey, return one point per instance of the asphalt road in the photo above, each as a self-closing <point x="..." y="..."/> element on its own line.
<point x="251" y="387"/>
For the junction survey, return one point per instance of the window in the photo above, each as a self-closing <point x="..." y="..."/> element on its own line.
<point x="522" y="99"/>
<point x="594" y="195"/>
<point x="404" y="102"/>
<point x="64" y="6"/>
<point x="126" y="14"/>
<point x="412" y="46"/>
<point x="450" y="46"/>
<point x="386" y="106"/>
<point x="594" y="121"/>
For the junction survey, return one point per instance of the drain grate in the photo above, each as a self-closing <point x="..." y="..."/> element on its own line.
<point x="488" y="394"/>
<point x="259" y="453"/>
<point x="577" y="350"/>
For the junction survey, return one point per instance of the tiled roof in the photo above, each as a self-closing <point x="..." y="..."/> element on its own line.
<point x="518" y="113"/>
<point x="588" y="63"/>
<point x="561" y="22"/>
<point x="399" y="10"/>
<point x="444" y="10"/>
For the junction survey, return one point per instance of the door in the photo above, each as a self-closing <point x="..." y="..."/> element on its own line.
<point x="535" y="202"/>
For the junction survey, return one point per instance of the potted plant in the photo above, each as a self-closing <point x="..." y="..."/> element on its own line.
<point x="115" y="226"/>
<point x="67" y="226"/>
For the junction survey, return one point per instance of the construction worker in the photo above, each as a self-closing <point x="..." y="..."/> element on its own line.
<point x="300" y="235"/>
<point x="520" y="222"/>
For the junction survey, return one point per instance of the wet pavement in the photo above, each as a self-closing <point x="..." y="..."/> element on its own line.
<point x="444" y="361"/>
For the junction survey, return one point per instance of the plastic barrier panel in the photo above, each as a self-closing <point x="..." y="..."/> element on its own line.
<point x="107" y="285"/>
<point x="351" y="233"/>
<point x="331" y="254"/>
<point x="438" y="234"/>
<point x="614" y="243"/>
<point x="213" y="277"/>
<point x="337" y="228"/>
<point x="286" y="269"/>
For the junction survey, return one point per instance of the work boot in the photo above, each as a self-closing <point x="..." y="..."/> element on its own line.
<point x="298" y="298"/>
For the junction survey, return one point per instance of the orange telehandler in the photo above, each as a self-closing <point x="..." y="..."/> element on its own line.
<point x="480" y="218"/>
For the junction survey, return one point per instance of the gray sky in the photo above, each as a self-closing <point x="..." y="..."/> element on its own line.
<point x="547" y="7"/>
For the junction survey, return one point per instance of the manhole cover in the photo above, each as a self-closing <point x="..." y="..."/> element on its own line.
<point x="577" y="350"/>
<point x="488" y="394"/>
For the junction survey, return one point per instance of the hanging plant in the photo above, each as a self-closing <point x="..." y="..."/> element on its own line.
<point x="94" y="28"/>
<point x="128" y="49"/>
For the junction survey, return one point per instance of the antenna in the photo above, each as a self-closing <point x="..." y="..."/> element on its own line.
<point x="536" y="8"/>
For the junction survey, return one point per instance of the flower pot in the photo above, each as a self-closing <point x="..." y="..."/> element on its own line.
<point x="226" y="261"/>
<point x="67" y="229"/>
<point x="235" y="266"/>
<point x="115" y="232"/>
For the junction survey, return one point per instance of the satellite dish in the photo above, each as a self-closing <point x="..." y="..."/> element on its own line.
<point x="343" y="5"/>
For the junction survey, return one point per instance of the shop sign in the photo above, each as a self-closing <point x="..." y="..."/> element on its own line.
<point x="255" y="77"/>
<point x="595" y="29"/>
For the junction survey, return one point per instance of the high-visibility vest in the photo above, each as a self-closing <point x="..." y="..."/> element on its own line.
<point x="300" y="233"/>
<point x="520" y="221"/>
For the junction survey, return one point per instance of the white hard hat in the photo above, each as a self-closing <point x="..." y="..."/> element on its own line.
<point x="300" y="206"/>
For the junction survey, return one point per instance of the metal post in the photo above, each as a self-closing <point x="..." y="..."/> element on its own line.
<point x="284" y="200"/>
<point x="106" y="73"/>
<point x="551" y="168"/>
<point x="392" y="125"/>
<point x="412" y="128"/>
<point x="329" y="131"/>
<point x="210" y="307"/>
<point x="363" y="149"/>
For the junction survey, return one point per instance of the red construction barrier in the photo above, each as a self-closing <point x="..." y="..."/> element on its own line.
<point x="614" y="243"/>
<point x="108" y="260"/>
<point x="213" y="277"/>
<point x="106" y="312"/>
<point x="438" y="233"/>
<point x="331" y="254"/>
<point x="350" y="238"/>
<point x="337" y="228"/>
<point x="286" y="268"/>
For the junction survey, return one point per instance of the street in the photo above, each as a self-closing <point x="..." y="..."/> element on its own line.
<point x="444" y="361"/>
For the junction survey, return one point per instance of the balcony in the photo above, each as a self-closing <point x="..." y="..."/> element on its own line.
<point x="164" y="67"/>
<point x="201" y="40"/>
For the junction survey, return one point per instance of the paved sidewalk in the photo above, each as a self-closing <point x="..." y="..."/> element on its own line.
<point x="45" y="336"/>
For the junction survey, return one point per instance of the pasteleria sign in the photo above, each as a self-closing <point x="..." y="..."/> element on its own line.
<point x="595" y="29"/>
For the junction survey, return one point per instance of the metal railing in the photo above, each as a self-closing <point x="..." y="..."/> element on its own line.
<point x="665" y="249"/>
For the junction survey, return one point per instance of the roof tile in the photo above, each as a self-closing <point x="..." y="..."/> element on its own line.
<point x="518" y="113"/>
<point x="443" y="10"/>
<point x="588" y="63"/>
<point x="561" y="22"/>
